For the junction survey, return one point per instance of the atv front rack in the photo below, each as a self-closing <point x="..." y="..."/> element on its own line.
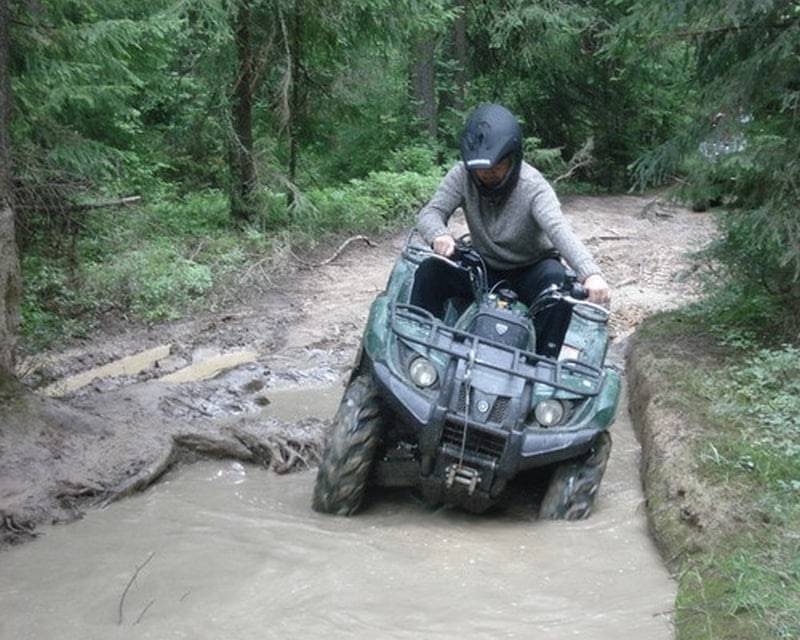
<point x="417" y="326"/>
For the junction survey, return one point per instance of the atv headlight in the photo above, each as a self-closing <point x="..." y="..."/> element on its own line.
<point x="549" y="412"/>
<point x="422" y="372"/>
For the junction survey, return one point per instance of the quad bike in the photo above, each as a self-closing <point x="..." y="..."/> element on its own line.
<point x="457" y="408"/>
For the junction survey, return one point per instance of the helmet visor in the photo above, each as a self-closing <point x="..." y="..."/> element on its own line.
<point x="494" y="175"/>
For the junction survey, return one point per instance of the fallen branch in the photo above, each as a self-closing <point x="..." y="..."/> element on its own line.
<point x="107" y="203"/>
<point x="582" y="158"/>
<point x="128" y="587"/>
<point x="337" y="253"/>
<point x="248" y="275"/>
<point x="15" y="527"/>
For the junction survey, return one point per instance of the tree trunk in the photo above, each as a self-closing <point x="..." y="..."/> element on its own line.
<point x="423" y="81"/>
<point x="295" y="38"/>
<point x="460" y="51"/>
<point x="10" y="288"/>
<point x="245" y="179"/>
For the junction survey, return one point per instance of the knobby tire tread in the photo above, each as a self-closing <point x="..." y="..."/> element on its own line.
<point x="350" y="449"/>
<point x="574" y="485"/>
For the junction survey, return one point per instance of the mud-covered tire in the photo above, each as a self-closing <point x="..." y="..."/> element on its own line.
<point x="349" y="450"/>
<point x="574" y="485"/>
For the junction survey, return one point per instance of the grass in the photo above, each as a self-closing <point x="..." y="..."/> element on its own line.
<point x="742" y="581"/>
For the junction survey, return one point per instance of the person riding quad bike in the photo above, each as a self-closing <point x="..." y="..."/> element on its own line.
<point x="482" y="360"/>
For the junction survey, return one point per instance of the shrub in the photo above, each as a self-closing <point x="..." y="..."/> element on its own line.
<point x="155" y="283"/>
<point x="380" y="202"/>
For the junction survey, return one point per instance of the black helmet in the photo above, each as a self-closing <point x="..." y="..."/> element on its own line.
<point x="490" y="134"/>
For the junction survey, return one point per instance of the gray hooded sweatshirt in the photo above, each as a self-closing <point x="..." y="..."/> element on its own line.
<point x="515" y="232"/>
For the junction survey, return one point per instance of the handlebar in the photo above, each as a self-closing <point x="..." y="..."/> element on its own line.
<point x="572" y="292"/>
<point x="466" y="254"/>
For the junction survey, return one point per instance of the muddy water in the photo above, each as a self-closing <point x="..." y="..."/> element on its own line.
<point x="221" y="550"/>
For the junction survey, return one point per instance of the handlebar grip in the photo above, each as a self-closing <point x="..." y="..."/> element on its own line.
<point x="467" y="256"/>
<point x="578" y="291"/>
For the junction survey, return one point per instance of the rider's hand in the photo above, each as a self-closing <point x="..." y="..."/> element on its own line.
<point x="598" y="289"/>
<point x="444" y="245"/>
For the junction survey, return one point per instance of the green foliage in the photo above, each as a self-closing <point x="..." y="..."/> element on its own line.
<point x="147" y="263"/>
<point x="202" y="214"/>
<point x="153" y="283"/>
<point x="549" y="161"/>
<point x="745" y="65"/>
<point x="744" y="590"/>
<point x="743" y="316"/>
<point x="380" y="202"/>
<point x="165" y="259"/>
<point x="413" y="159"/>
<point x="763" y="396"/>
<point x="50" y="304"/>
<point x="119" y="99"/>
<point x="553" y="64"/>
<point x="79" y="72"/>
<point x="752" y="293"/>
<point x="365" y="120"/>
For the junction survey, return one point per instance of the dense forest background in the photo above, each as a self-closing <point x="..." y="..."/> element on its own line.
<point x="159" y="147"/>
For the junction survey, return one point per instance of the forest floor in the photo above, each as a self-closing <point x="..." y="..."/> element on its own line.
<point x="111" y="414"/>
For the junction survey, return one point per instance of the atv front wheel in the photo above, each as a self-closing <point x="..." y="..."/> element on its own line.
<point x="349" y="450"/>
<point x="573" y="487"/>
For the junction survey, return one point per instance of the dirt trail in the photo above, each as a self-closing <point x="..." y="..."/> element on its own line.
<point x="204" y="380"/>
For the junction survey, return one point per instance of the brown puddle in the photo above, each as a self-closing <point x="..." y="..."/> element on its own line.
<point x="209" y="367"/>
<point x="206" y="366"/>
<point x="225" y="550"/>
<point x="127" y="366"/>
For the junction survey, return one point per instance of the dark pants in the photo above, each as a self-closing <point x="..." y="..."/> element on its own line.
<point x="435" y="281"/>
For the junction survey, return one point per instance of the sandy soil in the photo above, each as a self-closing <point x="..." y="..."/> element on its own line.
<point x="111" y="415"/>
